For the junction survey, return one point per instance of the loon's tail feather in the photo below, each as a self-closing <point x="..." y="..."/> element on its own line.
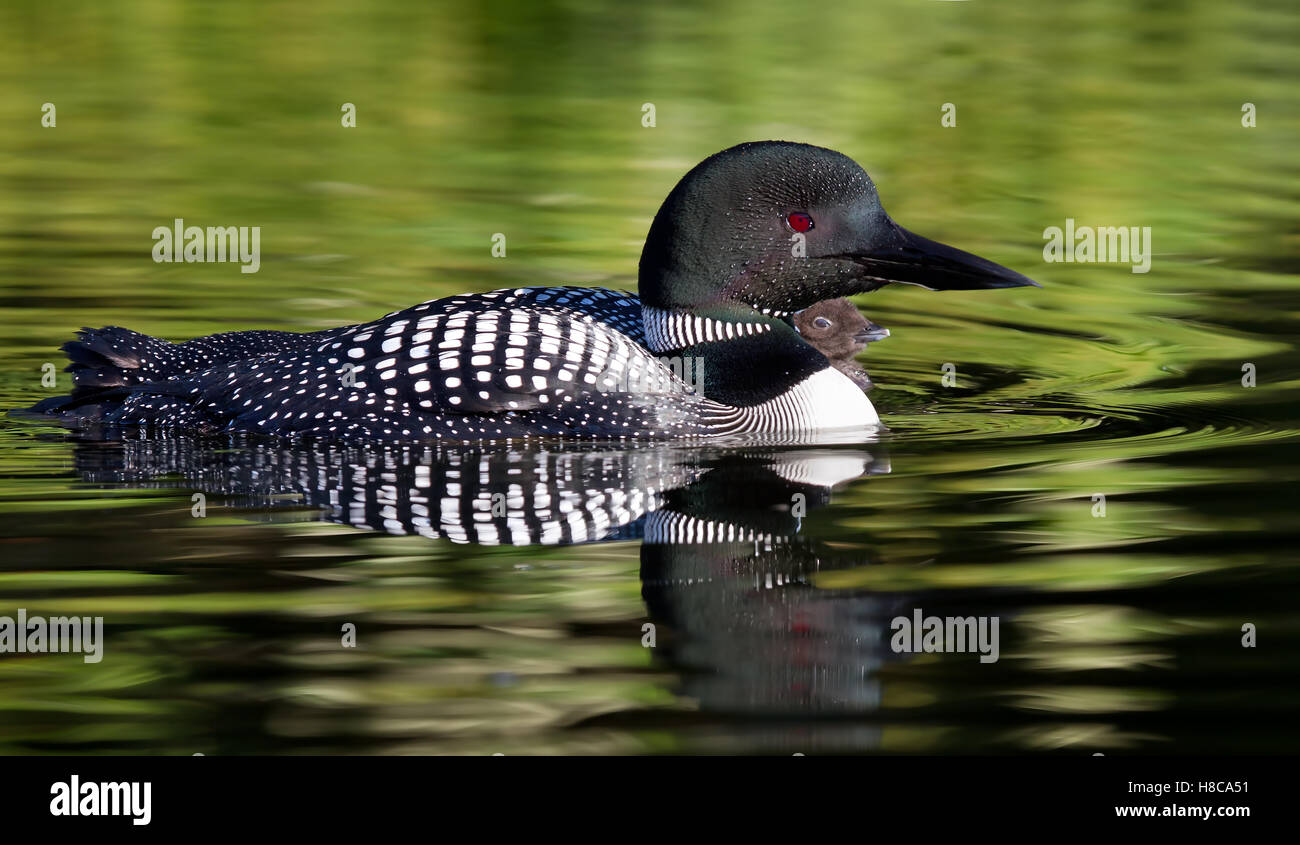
<point x="105" y="364"/>
<point x="116" y="357"/>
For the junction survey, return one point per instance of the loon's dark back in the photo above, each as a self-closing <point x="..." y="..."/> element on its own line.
<point x="479" y="366"/>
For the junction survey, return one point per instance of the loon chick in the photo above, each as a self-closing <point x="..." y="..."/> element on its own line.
<point x="837" y="329"/>
<point x="748" y="237"/>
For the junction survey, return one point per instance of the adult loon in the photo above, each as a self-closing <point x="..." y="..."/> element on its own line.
<point x="837" y="329"/>
<point x="748" y="237"/>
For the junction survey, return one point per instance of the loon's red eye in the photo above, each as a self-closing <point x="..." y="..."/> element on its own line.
<point x="799" y="221"/>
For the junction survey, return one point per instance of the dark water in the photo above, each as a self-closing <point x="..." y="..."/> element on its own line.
<point x="1119" y="633"/>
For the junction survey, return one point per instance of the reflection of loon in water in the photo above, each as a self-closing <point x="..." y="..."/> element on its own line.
<point x="486" y="493"/>
<point x="749" y="631"/>
<point x="726" y="565"/>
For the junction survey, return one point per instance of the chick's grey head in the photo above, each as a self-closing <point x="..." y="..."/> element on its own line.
<point x="837" y="329"/>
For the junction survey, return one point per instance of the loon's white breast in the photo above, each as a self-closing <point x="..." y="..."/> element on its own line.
<point x="834" y="401"/>
<point x="827" y="400"/>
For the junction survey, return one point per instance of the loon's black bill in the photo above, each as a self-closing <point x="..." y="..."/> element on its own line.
<point x="914" y="260"/>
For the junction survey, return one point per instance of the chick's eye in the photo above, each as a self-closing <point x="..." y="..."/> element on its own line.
<point x="822" y="323"/>
<point x="800" y="221"/>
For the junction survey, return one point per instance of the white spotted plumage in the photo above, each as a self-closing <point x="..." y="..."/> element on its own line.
<point x="527" y="362"/>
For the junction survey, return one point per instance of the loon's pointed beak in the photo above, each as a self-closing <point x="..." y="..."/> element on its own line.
<point x="871" y="334"/>
<point x="907" y="258"/>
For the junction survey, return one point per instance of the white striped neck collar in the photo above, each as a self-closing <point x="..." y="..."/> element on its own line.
<point x="667" y="330"/>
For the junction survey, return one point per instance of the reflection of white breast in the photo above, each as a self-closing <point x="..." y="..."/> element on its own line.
<point x="826" y="400"/>
<point x="821" y="468"/>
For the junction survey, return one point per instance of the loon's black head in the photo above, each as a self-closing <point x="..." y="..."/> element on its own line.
<point x="779" y="226"/>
